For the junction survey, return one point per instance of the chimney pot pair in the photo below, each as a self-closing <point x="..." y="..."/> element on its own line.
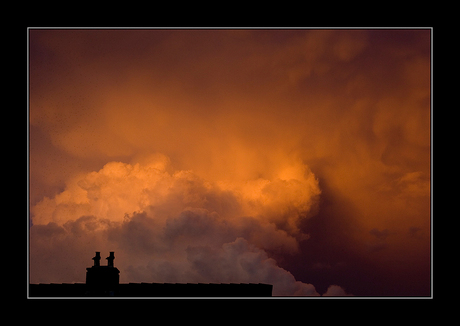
<point x="97" y="259"/>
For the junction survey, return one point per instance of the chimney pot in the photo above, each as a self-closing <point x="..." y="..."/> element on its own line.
<point x="110" y="259"/>
<point x="97" y="259"/>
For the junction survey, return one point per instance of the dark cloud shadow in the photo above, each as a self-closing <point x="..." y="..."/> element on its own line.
<point x="332" y="255"/>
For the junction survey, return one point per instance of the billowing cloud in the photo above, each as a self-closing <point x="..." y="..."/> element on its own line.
<point x="120" y="188"/>
<point x="233" y="262"/>
<point x="306" y="144"/>
<point x="176" y="220"/>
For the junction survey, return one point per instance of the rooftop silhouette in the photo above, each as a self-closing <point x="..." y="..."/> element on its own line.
<point x="104" y="281"/>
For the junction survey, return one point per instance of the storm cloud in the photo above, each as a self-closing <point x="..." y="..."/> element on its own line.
<point x="301" y="156"/>
<point x="175" y="226"/>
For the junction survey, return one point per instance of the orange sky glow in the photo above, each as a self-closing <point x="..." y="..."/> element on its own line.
<point x="299" y="158"/>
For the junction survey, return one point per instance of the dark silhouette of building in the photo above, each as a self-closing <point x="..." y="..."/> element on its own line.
<point x="104" y="281"/>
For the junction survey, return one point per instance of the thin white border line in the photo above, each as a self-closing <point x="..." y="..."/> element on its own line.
<point x="431" y="160"/>
<point x="227" y="27"/>
<point x="28" y="167"/>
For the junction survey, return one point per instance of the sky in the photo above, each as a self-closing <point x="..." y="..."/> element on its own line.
<point x="293" y="157"/>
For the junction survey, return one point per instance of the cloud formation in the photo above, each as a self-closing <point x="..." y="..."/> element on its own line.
<point x="186" y="228"/>
<point x="299" y="142"/>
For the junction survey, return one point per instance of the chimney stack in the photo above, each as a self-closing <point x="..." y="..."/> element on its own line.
<point x="110" y="259"/>
<point x="101" y="280"/>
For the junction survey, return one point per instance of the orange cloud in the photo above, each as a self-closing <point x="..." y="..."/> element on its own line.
<point x="267" y="124"/>
<point x="181" y="211"/>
